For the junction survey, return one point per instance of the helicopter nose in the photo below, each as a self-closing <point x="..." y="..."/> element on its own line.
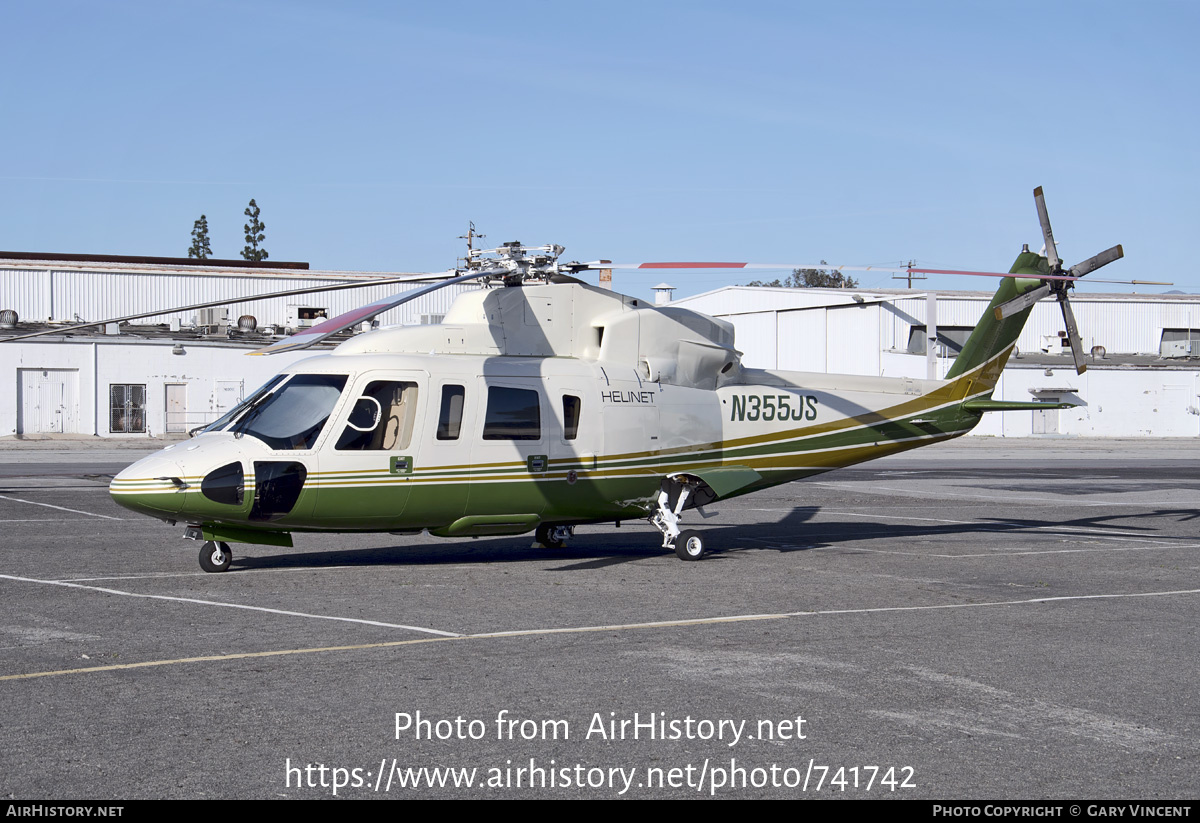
<point x="154" y="485"/>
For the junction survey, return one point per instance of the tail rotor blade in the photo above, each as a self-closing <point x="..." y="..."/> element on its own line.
<point x="1044" y="218"/>
<point x="1072" y="333"/>
<point x="1019" y="304"/>
<point x="1093" y="263"/>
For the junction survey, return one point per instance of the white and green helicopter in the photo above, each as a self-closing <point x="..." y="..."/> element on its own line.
<point x="541" y="403"/>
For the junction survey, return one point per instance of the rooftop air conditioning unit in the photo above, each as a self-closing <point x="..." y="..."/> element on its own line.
<point x="213" y="320"/>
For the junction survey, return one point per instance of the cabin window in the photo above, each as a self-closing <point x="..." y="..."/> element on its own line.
<point x="295" y="414"/>
<point x="450" y="417"/>
<point x="512" y="414"/>
<point x="571" y="408"/>
<point x="381" y="419"/>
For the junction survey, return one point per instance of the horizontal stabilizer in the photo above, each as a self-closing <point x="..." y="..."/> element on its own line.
<point x="1013" y="405"/>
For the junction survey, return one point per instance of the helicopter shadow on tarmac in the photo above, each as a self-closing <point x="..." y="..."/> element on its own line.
<point x="794" y="532"/>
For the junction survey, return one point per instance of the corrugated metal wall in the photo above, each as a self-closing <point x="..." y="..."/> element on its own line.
<point x="1124" y="324"/>
<point x="67" y="294"/>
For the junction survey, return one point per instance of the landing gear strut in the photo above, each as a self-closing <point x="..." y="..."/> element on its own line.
<point x="215" y="557"/>
<point x="688" y="545"/>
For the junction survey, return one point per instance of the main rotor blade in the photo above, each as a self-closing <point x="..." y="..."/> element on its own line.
<point x="602" y="264"/>
<point x="421" y="278"/>
<point x="1092" y="263"/>
<point x="344" y="321"/>
<point x="1072" y="333"/>
<point x="1044" y="218"/>
<point x="1022" y="302"/>
<point x="821" y="267"/>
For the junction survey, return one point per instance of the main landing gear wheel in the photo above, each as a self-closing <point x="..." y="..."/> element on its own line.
<point x="215" y="557"/>
<point x="689" y="545"/>
<point x="551" y="537"/>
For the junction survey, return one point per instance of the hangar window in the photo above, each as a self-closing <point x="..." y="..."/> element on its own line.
<point x="127" y="407"/>
<point x="381" y="419"/>
<point x="951" y="339"/>
<point x="512" y="414"/>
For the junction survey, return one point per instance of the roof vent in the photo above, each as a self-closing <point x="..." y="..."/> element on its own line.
<point x="8" y="319"/>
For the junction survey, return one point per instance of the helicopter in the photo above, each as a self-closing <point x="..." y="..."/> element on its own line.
<point x="541" y="403"/>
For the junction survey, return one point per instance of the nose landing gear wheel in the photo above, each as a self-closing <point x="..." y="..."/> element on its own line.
<point x="689" y="545"/>
<point x="215" y="557"/>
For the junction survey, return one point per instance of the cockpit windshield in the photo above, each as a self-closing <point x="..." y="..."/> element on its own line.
<point x="237" y="410"/>
<point x="286" y="415"/>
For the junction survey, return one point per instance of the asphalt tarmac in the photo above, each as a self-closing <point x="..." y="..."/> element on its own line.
<point x="996" y="620"/>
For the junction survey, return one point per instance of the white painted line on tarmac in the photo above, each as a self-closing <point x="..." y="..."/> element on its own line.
<point x="60" y="508"/>
<point x="1016" y="530"/>
<point x="239" y="573"/>
<point x="44" y="520"/>
<point x="997" y="552"/>
<point x="43" y="487"/>
<point x="228" y="605"/>
<point x="1003" y="526"/>
<point x="1043" y="499"/>
<point x="1031" y="601"/>
<point x="1000" y="552"/>
<point x="1015" y="524"/>
<point x="664" y="624"/>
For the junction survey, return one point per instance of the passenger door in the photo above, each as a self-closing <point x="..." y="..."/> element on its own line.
<point x="510" y="457"/>
<point x="368" y="459"/>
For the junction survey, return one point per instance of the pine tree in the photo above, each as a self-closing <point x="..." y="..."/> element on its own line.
<point x="200" y="247"/>
<point x="812" y="279"/>
<point x="254" y="235"/>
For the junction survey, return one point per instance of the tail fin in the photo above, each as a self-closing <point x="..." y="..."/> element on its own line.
<point x="992" y="341"/>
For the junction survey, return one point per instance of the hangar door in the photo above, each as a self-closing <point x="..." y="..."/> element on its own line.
<point x="47" y="401"/>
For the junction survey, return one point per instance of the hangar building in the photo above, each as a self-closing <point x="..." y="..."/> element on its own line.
<point x="171" y="372"/>
<point x="1143" y="351"/>
<point x="174" y="371"/>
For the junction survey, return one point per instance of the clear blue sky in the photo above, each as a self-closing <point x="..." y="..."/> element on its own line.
<point x="371" y="132"/>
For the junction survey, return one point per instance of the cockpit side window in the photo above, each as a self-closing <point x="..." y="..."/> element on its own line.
<point x="381" y="418"/>
<point x="293" y="417"/>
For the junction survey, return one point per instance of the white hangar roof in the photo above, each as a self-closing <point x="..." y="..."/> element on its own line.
<point x="65" y="289"/>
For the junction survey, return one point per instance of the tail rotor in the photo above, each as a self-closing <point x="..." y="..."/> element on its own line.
<point x="1060" y="288"/>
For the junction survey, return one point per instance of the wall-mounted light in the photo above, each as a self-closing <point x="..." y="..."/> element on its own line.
<point x="178" y="349"/>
